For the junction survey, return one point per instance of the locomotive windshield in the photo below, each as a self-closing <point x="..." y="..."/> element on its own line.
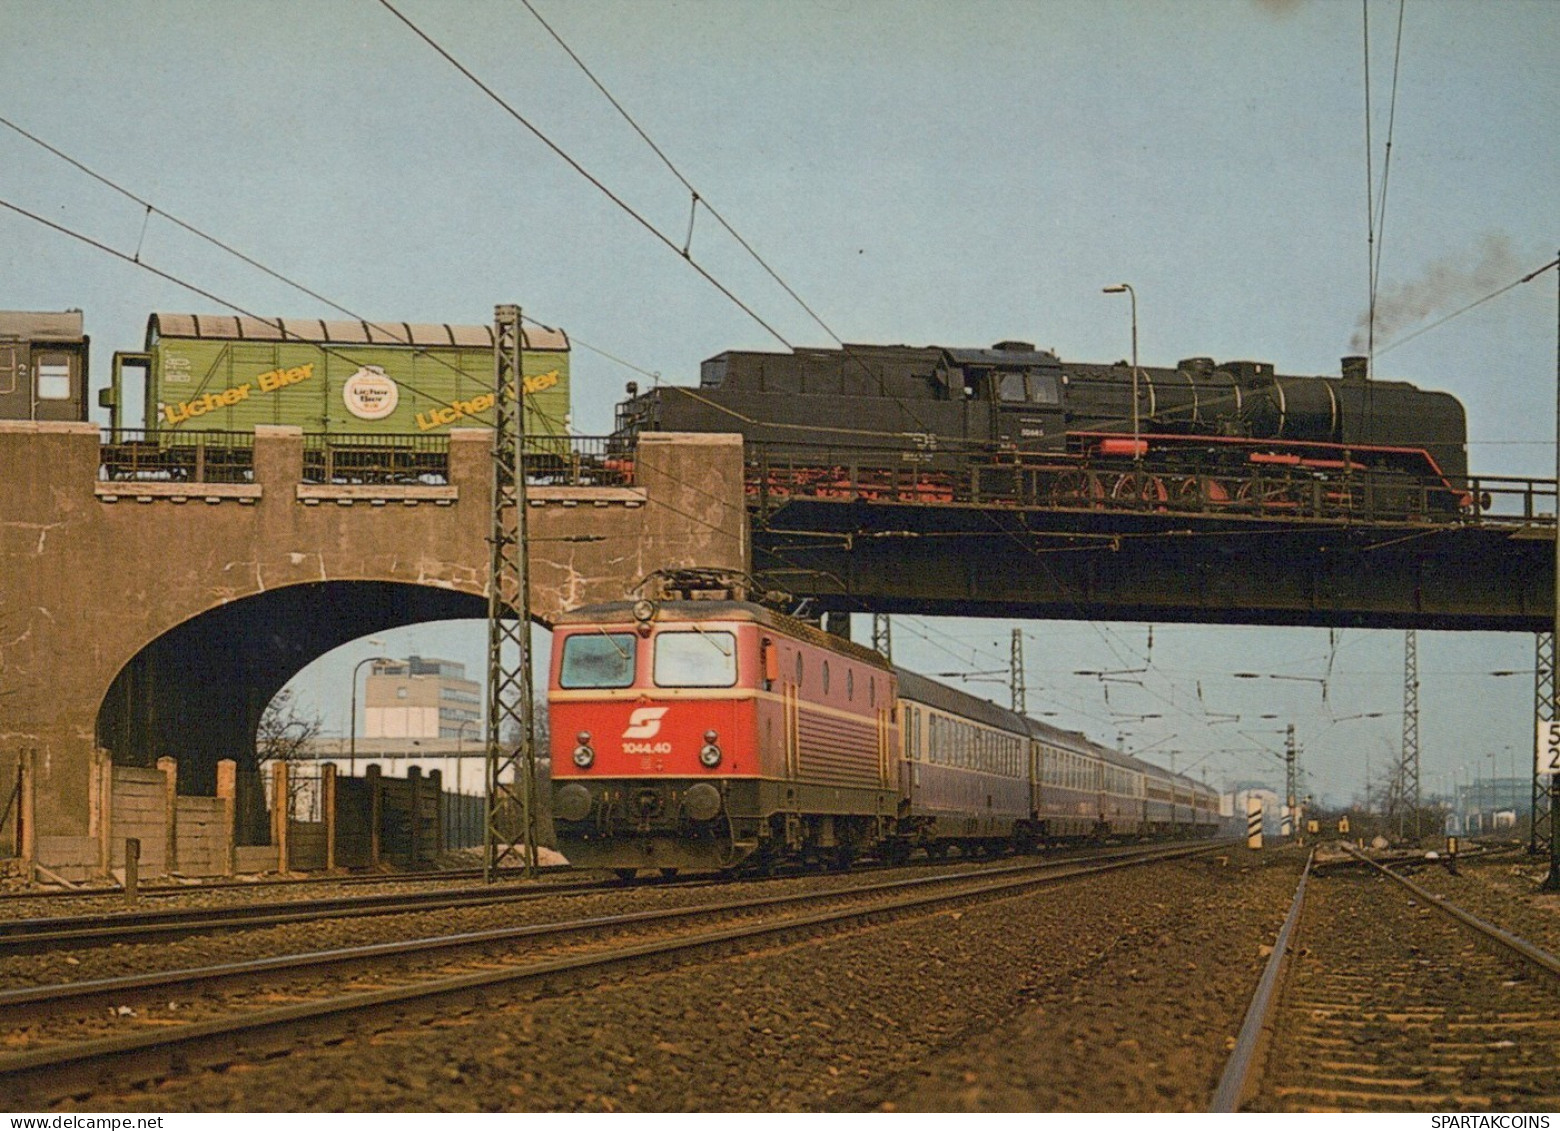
<point x="695" y="659"/>
<point x="591" y="660"/>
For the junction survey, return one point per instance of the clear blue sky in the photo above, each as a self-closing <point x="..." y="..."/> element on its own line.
<point x="923" y="172"/>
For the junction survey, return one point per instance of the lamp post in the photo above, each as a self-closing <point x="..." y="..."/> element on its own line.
<point x="460" y="753"/>
<point x="352" y="742"/>
<point x="1126" y="288"/>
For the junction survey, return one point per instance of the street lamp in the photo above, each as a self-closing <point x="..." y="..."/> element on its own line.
<point x="460" y="753"/>
<point x="1126" y="288"/>
<point x="352" y="745"/>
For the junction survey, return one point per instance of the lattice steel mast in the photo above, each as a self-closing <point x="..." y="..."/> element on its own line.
<point x="1016" y="673"/>
<point x="1543" y="711"/>
<point x="1291" y="821"/>
<point x="1407" y="778"/>
<point x="883" y="636"/>
<point x="511" y="765"/>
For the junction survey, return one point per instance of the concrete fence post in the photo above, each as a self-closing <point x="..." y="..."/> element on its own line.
<point x="227" y="793"/>
<point x="376" y="812"/>
<point x="169" y="767"/>
<point x="99" y="801"/>
<point x="26" y="812"/>
<point x="328" y="809"/>
<point x="414" y="796"/>
<point x="281" y="813"/>
<point x="132" y="870"/>
<point x="436" y="787"/>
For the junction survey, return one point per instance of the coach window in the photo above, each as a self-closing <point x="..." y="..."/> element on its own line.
<point x="695" y="659"/>
<point x="597" y="660"/>
<point x="54" y="377"/>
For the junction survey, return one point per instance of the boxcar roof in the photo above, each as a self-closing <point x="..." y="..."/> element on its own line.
<point x="420" y="334"/>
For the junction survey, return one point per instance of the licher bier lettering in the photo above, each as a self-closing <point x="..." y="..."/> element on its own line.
<point x="176" y="414"/>
<point x="457" y="410"/>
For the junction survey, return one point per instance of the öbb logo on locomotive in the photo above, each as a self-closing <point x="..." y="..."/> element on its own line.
<point x="645" y="722"/>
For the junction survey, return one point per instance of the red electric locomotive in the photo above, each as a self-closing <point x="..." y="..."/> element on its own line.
<point x="705" y="734"/>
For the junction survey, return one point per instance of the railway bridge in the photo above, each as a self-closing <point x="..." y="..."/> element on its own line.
<point x="153" y="600"/>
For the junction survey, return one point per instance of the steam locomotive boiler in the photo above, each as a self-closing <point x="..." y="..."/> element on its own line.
<point x="1220" y="433"/>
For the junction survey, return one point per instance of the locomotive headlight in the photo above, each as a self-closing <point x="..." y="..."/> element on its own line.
<point x="709" y="755"/>
<point x="584" y="756"/>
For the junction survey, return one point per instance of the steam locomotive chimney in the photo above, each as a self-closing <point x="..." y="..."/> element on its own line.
<point x="1356" y="368"/>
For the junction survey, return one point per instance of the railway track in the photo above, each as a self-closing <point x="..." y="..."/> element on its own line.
<point x="1399" y="1001"/>
<point x="62" y="1050"/>
<point x="35" y="935"/>
<point x="295" y="882"/>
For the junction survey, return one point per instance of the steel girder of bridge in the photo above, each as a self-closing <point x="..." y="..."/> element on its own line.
<point x="1035" y="563"/>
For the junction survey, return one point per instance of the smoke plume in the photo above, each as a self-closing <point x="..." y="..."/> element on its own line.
<point x="1447" y="283"/>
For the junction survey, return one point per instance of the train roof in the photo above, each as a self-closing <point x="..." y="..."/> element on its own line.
<point x="318" y="331"/>
<point x="41" y="325"/>
<point x="951" y="699"/>
<point x="622" y="612"/>
<point x="912" y="685"/>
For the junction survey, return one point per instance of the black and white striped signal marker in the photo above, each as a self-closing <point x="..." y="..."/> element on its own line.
<point x="1253" y="822"/>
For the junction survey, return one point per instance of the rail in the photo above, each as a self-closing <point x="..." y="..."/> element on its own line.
<point x="955" y="477"/>
<point x="1237" y="1075"/>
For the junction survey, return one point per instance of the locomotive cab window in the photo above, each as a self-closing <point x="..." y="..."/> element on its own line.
<point x="598" y="660"/>
<point x="695" y="659"/>
<point x="1043" y="389"/>
<point x="1010" y="387"/>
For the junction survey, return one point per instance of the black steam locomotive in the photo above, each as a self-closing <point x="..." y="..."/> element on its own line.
<point x="1020" y="423"/>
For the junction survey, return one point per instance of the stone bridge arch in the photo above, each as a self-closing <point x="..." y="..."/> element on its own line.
<point x="108" y="584"/>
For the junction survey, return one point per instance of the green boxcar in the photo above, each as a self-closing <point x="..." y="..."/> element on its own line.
<point x="203" y="372"/>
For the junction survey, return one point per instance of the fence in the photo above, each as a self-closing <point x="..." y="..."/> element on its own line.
<point x="323" y="821"/>
<point x="345" y="459"/>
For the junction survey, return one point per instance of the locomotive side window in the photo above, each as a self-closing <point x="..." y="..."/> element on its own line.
<point x="850" y="684"/>
<point x="603" y="660"/>
<point x="799" y="669"/>
<point x="826" y="677"/>
<point x="8" y="369"/>
<point x="695" y="659"/>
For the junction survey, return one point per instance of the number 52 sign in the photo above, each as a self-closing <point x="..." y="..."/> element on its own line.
<point x="1547" y="749"/>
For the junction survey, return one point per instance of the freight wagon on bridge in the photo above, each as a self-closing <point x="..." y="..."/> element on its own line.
<point x="202" y="372"/>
